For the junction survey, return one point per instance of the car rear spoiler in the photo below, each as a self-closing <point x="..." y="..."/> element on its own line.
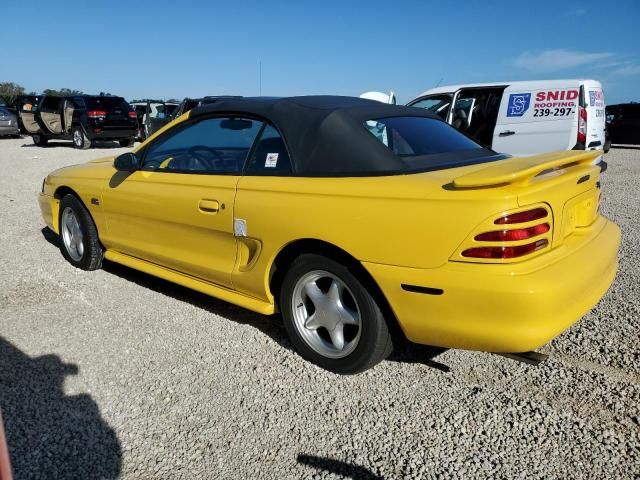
<point x="521" y="170"/>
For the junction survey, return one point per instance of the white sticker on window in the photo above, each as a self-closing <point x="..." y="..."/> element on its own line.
<point x="271" y="161"/>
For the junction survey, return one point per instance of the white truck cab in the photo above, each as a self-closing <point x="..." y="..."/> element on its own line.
<point x="524" y="118"/>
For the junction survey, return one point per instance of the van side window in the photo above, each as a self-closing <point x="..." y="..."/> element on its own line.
<point x="270" y="156"/>
<point x="438" y="104"/>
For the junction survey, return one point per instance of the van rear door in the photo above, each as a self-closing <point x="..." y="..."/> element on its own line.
<point x="537" y="120"/>
<point x="595" y="107"/>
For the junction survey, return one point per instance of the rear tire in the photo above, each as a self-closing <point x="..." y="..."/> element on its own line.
<point x="79" y="240"/>
<point x="129" y="142"/>
<point x="331" y="318"/>
<point x="39" y="140"/>
<point x="80" y="139"/>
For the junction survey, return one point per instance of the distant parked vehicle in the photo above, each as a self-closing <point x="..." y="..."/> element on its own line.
<point x="190" y="103"/>
<point x="623" y="123"/>
<point x="523" y="118"/>
<point x="24" y="102"/>
<point x="152" y="116"/>
<point x="8" y="123"/>
<point x="84" y="119"/>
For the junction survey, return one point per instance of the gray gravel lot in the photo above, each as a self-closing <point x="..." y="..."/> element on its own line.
<point x="117" y="374"/>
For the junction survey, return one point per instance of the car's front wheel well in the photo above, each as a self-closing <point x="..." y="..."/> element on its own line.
<point x="64" y="190"/>
<point x="305" y="246"/>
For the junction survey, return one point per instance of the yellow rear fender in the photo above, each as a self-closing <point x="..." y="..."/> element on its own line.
<point x="287" y="255"/>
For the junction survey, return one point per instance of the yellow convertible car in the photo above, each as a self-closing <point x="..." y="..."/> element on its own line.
<point x="351" y="218"/>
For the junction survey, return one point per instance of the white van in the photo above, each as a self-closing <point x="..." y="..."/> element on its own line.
<point x="524" y="118"/>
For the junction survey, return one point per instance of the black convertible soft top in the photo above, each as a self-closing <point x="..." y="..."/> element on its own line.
<point x="324" y="134"/>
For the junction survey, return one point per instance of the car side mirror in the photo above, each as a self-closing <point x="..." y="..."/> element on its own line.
<point x="127" y="162"/>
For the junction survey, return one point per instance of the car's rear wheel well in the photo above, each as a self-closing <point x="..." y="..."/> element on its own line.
<point x="305" y="246"/>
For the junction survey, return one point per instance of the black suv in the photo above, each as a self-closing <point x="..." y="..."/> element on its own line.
<point x="623" y="123"/>
<point x="84" y="119"/>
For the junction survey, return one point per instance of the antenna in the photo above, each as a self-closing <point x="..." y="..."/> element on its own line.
<point x="260" y="77"/>
<point x="439" y="82"/>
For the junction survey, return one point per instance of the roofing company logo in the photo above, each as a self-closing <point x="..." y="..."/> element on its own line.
<point x="518" y="104"/>
<point x="595" y="98"/>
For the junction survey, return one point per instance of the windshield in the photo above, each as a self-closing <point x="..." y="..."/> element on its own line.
<point x="424" y="143"/>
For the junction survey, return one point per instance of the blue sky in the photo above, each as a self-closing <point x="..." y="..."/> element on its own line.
<point x="166" y="49"/>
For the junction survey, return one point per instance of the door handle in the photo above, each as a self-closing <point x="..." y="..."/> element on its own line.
<point x="506" y="133"/>
<point x="208" y="206"/>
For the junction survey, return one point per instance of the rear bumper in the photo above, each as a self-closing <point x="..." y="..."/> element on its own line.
<point x="9" y="130"/>
<point x="121" y="134"/>
<point x="504" y="308"/>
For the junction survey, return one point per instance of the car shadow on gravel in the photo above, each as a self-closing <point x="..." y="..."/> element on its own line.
<point x="404" y="351"/>
<point x="51" y="434"/>
<point x="337" y="467"/>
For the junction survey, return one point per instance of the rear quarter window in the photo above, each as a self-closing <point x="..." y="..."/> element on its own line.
<point x="427" y="143"/>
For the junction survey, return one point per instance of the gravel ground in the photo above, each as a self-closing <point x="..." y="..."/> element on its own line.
<point x="117" y="374"/>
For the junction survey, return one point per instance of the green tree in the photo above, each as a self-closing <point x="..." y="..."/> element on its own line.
<point x="9" y="91"/>
<point x="63" y="92"/>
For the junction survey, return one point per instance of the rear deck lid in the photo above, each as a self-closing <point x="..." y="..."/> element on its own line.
<point x="116" y="109"/>
<point x="567" y="182"/>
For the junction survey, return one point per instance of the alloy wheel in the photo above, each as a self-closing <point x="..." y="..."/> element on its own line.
<point x="77" y="137"/>
<point x="326" y="314"/>
<point x="72" y="235"/>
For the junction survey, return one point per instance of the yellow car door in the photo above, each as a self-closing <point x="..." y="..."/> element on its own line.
<point x="177" y="209"/>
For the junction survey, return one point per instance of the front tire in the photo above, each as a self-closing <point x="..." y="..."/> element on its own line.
<point x="80" y="139"/>
<point x="129" y="142"/>
<point x="79" y="243"/>
<point x="331" y="318"/>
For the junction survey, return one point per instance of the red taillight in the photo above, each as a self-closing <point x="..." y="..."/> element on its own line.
<point x="132" y="114"/>
<point x="582" y="125"/>
<point x="96" y="114"/>
<point x="505" y="252"/>
<point x="513" y="235"/>
<point x="522" y="217"/>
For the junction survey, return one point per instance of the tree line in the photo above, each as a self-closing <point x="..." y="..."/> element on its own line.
<point x="9" y="91"/>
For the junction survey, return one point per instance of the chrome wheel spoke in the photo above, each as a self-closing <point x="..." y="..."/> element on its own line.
<point x="312" y="322"/>
<point x="347" y="317"/>
<point x="314" y="293"/>
<point x="337" y="336"/>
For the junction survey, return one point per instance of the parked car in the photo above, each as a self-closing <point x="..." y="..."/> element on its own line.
<point x="152" y="116"/>
<point x="623" y="123"/>
<point x="8" y="123"/>
<point x="191" y="103"/>
<point x="523" y="118"/>
<point x="24" y="102"/>
<point x="84" y="119"/>
<point x="350" y="217"/>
